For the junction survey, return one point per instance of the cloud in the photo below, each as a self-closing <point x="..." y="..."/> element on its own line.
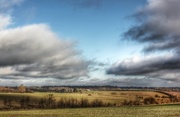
<point x="35" y="51"/>
<point x="5" y="20"/>
<point x="163" y="67"/>
<point x="157" y="26"/>
<point x="140" y="82"/>
<point x="6" y="6"/>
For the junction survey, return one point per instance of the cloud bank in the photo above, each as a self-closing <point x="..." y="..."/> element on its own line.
<point x="157" y="26"/>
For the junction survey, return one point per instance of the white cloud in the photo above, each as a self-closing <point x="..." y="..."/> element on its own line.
<point x="35" y="51"/>
<point x="5" y="21"/>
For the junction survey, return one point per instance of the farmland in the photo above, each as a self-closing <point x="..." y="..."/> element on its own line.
<point x="126" y="111"/>
<point x="113" y="97"/>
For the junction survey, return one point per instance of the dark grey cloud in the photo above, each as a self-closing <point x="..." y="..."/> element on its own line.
<point x="145" y="66"/>
<point x="35" y="51"/>
<point x="137" y="82"/>
<point x="164" y="67"/>
<point x="172" y="44"/>
<point x="156" y="26"/>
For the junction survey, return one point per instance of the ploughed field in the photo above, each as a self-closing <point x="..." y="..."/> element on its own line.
<point x="124" y="111"/>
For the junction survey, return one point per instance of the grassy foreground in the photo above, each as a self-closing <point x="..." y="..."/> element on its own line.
<point x="142" y="111"/>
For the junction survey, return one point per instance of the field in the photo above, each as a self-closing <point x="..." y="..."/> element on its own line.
<point x="133" y="111"/>
<point x="113" y="97"/>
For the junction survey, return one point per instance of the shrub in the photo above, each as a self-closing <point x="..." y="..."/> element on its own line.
<point x="24" y="102"/>
<point x="84" y="103"/>
<point x="157" y="96"/>
<point x="97" y="103"/>
<point x="42" y="103"/>
<point x="73" y="103"/>
<point x="62" y="103"/>
<point x="51" y="101"/>
<point x="150" y="100"/>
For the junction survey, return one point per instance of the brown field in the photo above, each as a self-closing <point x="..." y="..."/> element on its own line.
<point x="113" y="97"/>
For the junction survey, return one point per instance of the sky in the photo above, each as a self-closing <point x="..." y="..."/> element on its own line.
<point x="90" y="42"/>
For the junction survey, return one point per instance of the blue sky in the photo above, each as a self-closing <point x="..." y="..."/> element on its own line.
<point x="96" y="28"/>
<point x="88" y="42"/>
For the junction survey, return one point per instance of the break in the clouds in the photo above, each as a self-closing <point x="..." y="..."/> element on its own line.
<point x="158" y="28"/>
<point x="35" y="51"/>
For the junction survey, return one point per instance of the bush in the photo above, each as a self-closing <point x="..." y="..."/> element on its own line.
<point x="42" y="103"/>
<point x="62" y="103"/>
<point x="51" y="101"/>
<point x="137" y="101"/>
<point x="157" y="96"/>
<point x="24" y="102"/>
<point x="73" y="102"/>
<point x="84" y="103"/>
<point x="97" y="103"/>
<point x="150" y="100"/>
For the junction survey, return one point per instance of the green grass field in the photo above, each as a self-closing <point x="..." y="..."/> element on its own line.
<point x="134" y="111"/>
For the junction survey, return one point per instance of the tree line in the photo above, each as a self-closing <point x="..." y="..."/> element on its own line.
<point x="49" y="102"/>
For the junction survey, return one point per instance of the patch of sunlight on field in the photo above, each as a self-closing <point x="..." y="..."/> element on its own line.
<point x="148" y="111"/>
